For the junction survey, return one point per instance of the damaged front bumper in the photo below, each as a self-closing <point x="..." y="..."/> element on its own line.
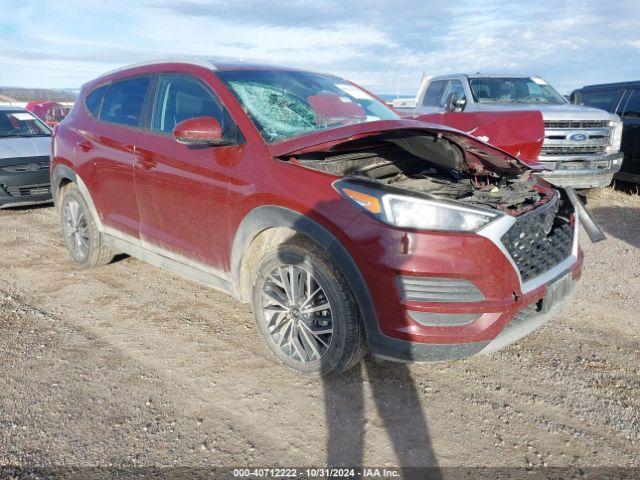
<point x="581" y="172"/>
<point x="534" y="312"/>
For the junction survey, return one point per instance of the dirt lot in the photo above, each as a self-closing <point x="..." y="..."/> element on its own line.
<point x="129" y="365"/>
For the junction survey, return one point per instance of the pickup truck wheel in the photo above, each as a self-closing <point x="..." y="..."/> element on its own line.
<point x="80" y="231"/>
<point x="305" y="311"/>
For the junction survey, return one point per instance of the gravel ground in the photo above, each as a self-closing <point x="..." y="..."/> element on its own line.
<point x="128" y="365"/>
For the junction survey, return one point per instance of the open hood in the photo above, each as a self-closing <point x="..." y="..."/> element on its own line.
<point x="419" y="138"/>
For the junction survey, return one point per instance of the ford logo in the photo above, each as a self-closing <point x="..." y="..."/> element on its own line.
<point x="578" y="137"/>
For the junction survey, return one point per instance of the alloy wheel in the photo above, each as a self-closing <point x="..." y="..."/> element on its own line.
<point x="297" y="313"/>
<point x="76" y="229"/>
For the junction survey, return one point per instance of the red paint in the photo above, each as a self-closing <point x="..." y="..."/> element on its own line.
<point x="519" y="133"/>
<point x="198" y="130"/>
<point x="191" y="200"/>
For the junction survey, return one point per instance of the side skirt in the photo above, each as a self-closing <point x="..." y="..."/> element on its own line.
<point x="206" y="278"/>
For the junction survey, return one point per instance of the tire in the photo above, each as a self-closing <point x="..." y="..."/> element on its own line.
<point x="79" y="229"/>
<point x="286" y="325"/>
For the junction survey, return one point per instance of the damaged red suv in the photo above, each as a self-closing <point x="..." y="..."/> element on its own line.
<point x="347" y="228"/>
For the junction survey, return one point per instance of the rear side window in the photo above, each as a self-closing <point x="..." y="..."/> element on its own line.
<point x="94" y="99"/>
<point x="603" y="99"/>
<point x="433" y="94"/>
<point x="123" y="102"/>
<point x="633" y="105"/>
<point x="180" y="98"/>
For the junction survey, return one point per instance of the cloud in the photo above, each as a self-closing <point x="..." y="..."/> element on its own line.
<point x="383" y="45"/>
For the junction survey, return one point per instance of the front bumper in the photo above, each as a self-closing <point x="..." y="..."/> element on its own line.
<point x="521" y="322"/>
<point x="581" y="172"/>
<point x="18" y="188"/>
<point x="443" y="296"/>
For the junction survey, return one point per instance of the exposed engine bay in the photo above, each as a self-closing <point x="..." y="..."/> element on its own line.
<point x="432" y="166"/>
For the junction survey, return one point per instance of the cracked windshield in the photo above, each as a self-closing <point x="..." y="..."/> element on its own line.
<point x="284" y="104"/>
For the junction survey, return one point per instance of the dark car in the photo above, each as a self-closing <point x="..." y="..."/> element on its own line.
<point x="344" y="225"/>
<point x="623" y="99"/>
<point x="25" y="149"/>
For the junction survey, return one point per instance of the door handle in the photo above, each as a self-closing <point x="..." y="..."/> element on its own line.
<point x="85" y="145"/>
<point x="145" y="160"/>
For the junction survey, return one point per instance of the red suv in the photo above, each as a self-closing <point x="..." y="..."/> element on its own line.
<point x="345" y="226"/>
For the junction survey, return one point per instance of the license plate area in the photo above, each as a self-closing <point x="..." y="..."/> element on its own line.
<point x="557" y="290"/>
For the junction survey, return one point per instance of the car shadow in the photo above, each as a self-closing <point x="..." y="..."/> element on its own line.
<point x="619" y="222"/>
<point x="398" y="405"/>
<point x="394" y="393"/>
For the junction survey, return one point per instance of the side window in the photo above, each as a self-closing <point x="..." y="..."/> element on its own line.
<point x="123" y="102"/>
<point x="433" y="94"/>
<point x="94" y="99"/>
<point x="604" y="99"/>
<point x="633" y="105"/>
<point x="453" y="86"/>
<point x="181" y="97"/>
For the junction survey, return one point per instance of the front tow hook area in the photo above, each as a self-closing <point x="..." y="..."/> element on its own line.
<point x="594" y="232"/>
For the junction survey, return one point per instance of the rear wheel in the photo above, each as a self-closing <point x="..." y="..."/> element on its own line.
<point x="306" y="312"/>
<point x="80" y="231"/>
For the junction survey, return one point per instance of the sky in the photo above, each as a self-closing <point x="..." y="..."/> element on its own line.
<point x="385" y="46"/>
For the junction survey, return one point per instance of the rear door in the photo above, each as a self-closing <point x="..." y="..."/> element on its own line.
<point x="104" y="152"/>
<point x="631" y="133"/>
<point x="182" y="191"/>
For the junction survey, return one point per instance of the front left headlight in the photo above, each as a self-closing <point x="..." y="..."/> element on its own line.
<point x="615" y="135"/>
<point x="405" y="211"/>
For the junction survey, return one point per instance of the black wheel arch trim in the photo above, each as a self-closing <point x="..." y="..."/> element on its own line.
<point x="271" y="216"/>
<point x="60" y="173"/>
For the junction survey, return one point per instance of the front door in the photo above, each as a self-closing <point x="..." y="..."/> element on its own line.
<point x="182" y="191"/>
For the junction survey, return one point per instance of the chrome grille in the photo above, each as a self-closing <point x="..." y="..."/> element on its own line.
<point x="572" y="150"/>
<point x="576" y="123"/>
<point x="26" y="190"/>
<point x="539" y="240"/>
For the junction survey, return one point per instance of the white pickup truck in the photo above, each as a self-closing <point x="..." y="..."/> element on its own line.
<point x="581" y="145"/>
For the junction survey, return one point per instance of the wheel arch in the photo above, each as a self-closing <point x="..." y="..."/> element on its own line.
<point x="270" y="225"/>
<point x="60" y="176"/>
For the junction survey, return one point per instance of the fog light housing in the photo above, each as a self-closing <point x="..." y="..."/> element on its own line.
<point x="429" y="319"/>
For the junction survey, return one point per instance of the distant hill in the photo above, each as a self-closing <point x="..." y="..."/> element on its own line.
<point x="16" y="94"/>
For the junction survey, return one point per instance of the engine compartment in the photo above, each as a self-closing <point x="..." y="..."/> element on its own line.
<point x="395" y="166"/>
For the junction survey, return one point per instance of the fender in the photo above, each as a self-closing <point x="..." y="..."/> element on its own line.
<point x="271" y="216"/>
<point x="62" y="172"/>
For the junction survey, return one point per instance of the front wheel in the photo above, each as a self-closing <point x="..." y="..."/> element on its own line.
<point x="305" y="311"/>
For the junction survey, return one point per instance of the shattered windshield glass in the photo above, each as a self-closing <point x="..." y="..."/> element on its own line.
<point x="283" y="104"/>
<point x="514" y="90"/>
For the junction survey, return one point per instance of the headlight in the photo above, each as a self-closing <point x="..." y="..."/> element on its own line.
<point x="615" y="137"/>
<point x="412" y="212"/>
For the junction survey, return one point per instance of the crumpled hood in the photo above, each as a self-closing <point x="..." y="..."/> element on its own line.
<point x="565" y="111"/>
<point x="477" y="152"/>
<point x="16" y="147"/>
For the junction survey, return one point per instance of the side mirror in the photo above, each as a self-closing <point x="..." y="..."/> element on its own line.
<point x="199" y="131"/>
<point x="455" y="103"/>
